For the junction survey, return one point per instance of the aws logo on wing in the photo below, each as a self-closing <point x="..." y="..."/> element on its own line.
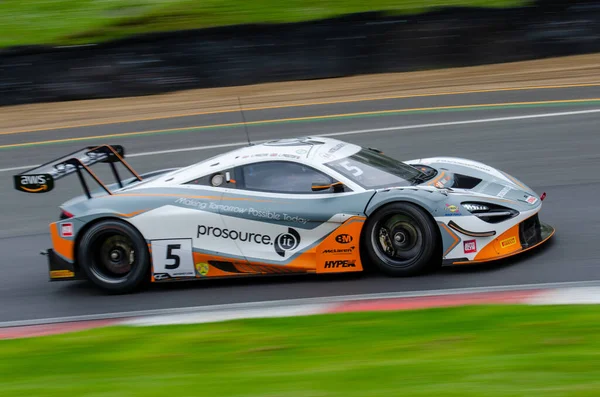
<point x="39" y="183"/>
<point x="286" y="242"/>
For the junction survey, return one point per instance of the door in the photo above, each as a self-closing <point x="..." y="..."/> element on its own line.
<point x="283" y="213"/>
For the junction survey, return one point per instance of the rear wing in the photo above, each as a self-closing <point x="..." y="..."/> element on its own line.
<point x="41" y="179"/>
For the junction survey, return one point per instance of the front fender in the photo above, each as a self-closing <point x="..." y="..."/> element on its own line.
<point x="429" y="199"/>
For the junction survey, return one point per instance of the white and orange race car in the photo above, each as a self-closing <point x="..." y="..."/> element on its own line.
<point x="306" y="205"/>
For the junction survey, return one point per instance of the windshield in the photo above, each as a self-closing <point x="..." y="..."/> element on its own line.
<point x="372" y="170"/>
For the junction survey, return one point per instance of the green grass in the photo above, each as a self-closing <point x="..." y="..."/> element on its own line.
<point x="463" y="352"/>
<point x="89" y="21"/>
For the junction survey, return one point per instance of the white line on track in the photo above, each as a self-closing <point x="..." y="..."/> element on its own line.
<point x="303" y="301"/>
<point x="355" y="132"/>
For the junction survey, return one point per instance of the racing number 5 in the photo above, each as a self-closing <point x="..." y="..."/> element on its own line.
<point x="352" y="168"/>
<point x="172" y="256"/>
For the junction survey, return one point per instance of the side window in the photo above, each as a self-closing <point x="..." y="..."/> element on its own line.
<point x="282" y="177"/>
<point x="225" y="178"/>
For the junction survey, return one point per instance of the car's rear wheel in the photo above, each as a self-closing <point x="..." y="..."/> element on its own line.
<point x="114" y="256"/>
<point x="400" y="239"/>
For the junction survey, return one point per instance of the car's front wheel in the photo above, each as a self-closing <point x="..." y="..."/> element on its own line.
<point x="114" y="256"/>
<point x="400" y="239"/>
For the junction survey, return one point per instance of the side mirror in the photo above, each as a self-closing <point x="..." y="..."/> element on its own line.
<point x="337" y="187"/>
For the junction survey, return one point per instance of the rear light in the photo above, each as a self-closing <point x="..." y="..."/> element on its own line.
<point x="543" y="196"/>
<point x="65" y="215"/>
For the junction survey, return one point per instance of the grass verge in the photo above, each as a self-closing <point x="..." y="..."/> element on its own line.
<point x="470" y="351"/>
<point x="91" y="21"/>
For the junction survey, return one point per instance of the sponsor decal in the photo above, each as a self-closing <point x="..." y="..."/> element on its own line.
<point x="34" y="183"/>
<point x="531" y="200"/>
<point x="336" y="264"/>
<point x="465" y="164"/>
<point x="326" y="156"/>
<point x="343" y="238"/>
<point x="259" y="213"/>
<point x="61" y="274"/>
<point x="452" y="210"/>
<point x="283" y="243"/>
<point x="336" y="251"/>
<point x="508" y="242"/>
<point x="336" y="147"/>
<point x="33" y="180"/>
<point x="470" y="246"/>
<point x="201" y="269"/>
<point x="287" y="242"/>
<point x="503" y="192"/>
<point x="235" y="235"/>
<point x="264" y="214"/>
<point x="300" y="151"/>
<point x="161" y="276"/>
<point x="191" y="203"/>
<point x="286" y="155"/>
<point x="66" y="230"/>
<point x="442" y="182"/>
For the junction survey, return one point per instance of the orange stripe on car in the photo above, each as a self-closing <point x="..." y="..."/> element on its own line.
<point x="63" y="247"/>
<point x="134" y="213"/>
<point x="503" y="245"/>
<point x="437" y="179"/>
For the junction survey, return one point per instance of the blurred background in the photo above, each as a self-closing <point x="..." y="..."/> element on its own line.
<point x="67" y="49"/>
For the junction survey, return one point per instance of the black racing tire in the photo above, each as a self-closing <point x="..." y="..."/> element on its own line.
<point x="114" y="256"/>
<point x="401" y="240"/>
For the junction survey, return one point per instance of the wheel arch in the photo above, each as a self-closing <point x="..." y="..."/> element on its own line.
<point x="373" y="210"/>
<point x="87" y="226"/>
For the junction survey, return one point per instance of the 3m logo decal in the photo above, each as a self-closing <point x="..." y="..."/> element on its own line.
<point x="336" y="264"/>
<point x="287" y="242"/>
<point x="343" y="238"/>
<point x="66" y="230"/>
<point x="508" y="242"/>
<point x="470" y="246"/>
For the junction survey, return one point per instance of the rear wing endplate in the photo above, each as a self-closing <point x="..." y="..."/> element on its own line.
<point x="41" y="179"/>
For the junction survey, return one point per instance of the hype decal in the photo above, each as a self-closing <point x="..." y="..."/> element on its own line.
<point x="283" y="243"/>
<point x="342" y="263"/>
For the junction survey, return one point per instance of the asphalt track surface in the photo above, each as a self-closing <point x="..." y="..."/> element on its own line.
<point x="548" y="138"/>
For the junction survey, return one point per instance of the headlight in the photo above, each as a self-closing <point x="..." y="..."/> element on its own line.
<point x="491" y="213"/>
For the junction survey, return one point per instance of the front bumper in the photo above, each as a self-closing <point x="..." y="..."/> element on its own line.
<point x="530" y="234"/>
<point x="60" y="269"/>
